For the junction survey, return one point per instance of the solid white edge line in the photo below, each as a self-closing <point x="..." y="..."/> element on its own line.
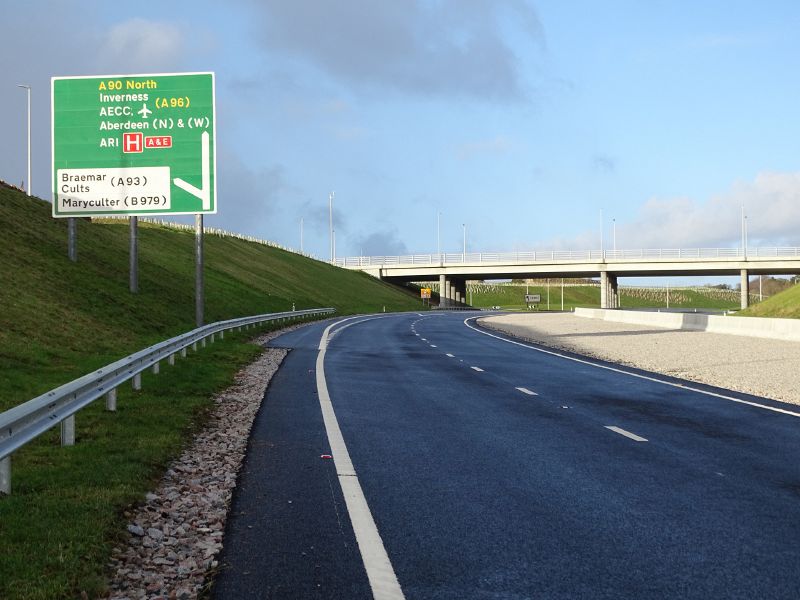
<point x="525" y="390"/>
<point x="381" y="575"/>
<point x="627" y="434"/>
<point x="637" y="375"/>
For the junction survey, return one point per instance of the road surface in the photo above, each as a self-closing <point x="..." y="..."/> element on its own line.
<point x="496" y="469"/>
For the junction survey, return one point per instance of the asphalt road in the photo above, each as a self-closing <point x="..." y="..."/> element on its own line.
<point x="491" y="470"/>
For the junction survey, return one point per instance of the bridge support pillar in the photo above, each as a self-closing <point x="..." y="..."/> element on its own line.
<point x="603" y="289"/>
<point x="457" y="293"/>
<point x="613" y="291"/>
<point x="448" y="293"/>
<point x="442" y="296"/>
<point x="745" y="285"/>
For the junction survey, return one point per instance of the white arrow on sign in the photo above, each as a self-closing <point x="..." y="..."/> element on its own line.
<point x="204" y="193"/>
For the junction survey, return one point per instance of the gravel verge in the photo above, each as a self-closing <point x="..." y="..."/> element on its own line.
<point x="176" y="534"/>
<point x="763" y="367"/>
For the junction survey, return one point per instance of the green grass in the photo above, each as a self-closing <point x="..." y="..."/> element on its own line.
<point x="785" y="305"/>
<point x="60" y="320"/>
<point x="512" y="297"/>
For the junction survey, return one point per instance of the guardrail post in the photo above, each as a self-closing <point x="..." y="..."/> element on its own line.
<point x="5" y="475"/>
<point x="183" y="352"/>
<point x="203" y="342"/>
<point x="171" y="359"/>
<point x="212" y="337"/>
<point x="222" y="335"/>
<point x="156" y="367"/>
<point x="194" y="346"/>
<point x="137" y="381"/>
<point x="111" y="400"/>
<point x="68" y="431"/>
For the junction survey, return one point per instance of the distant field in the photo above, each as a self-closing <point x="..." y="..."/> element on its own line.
<point x="512" y="297"/>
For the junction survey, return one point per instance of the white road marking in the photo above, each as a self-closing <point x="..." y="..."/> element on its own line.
<point x="381" y="575"/>
<point x="433" y="346"/>
<point x="627" y="434"/>
<point x="478" y="369"/>
<point x="451" y="355"/>
<point x="527" y="391"/>
<point x="637" y="375"/>
<point x="423" y="339"/>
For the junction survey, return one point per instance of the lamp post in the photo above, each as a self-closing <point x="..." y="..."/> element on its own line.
<point x="614" y="234"/>
<point x="602" y="251"/>
<point x="438" y="235"/>
<point x="464" y="227"/>
<point x="27" y="88"/>
<point x="330" y="221"/>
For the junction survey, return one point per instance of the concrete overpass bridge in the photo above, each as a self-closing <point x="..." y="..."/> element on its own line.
<point x="452" y="271"/>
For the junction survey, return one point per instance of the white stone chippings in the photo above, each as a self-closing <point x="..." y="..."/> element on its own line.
<point x="176" y="534"/>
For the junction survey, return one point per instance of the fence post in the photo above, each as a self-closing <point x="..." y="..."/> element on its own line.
<point x="111" y="400"/>
<point x="5" y="475"/>
<point x="68" y="431"/>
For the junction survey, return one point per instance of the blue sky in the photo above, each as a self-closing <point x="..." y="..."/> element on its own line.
<point x="520" y="119"/>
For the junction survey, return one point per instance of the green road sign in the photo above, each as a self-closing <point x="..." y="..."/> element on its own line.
<point x="134" y="145"/>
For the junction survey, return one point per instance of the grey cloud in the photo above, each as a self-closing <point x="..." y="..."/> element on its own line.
<point x="447" y="47"/>
<point x="604" y="163"/>
<point x="381" y="243"/>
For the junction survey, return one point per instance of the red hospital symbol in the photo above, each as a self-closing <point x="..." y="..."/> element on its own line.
<point x="132" y="142"/>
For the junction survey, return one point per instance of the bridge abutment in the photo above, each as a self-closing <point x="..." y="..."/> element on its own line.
<point x="745" y="285"/>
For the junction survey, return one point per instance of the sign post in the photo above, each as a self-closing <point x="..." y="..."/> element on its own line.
<point x="133" y="145"/>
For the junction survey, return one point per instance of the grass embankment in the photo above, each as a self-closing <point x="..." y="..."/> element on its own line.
<point x="784" y="305"/>
<point x="59" y="320"/>
<point x="512" y="297"/>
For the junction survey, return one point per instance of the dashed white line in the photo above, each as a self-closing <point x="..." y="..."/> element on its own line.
<point x="423" y="339"/>
<point x="478" y="369"/>
<point x="627" y="434"/>
<point x="450" y="355"/>
<point x="527" y="391"/>
<point x="433" y="345"/>
<point x="636" y="375"/>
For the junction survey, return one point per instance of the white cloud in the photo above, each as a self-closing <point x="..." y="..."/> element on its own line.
<point x="772" y="205"/>
<point x="141" y="45"/>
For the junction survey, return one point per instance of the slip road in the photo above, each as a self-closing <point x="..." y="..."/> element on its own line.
<point x="419" y="456"/>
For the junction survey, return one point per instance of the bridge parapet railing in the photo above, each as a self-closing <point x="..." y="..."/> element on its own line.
<point x="569" y="255"/>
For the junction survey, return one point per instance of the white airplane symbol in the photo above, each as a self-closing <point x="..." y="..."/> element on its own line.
<point x="144" y="111"/>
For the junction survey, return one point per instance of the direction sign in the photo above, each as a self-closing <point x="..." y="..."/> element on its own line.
<point x="134" y="145"/>
<point x="533" y="298"/>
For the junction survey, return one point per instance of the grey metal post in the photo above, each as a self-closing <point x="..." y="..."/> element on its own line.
<point x="194" y="346"/>
<point x="222" y="335"/>
<point x="183" y="351"/>
<point x="5" y="475"/>
<point x="134" y="255"/>
<point x="156" y="368"/>
<point x="111" y="400"/>
<point x="137" y="381"/>
<point x="199" y="300"/>
<point x="171" y="359"/>
<point x="212" y="338"/>
<point x="68" y="431"/>
<point x="745" y="285"/>
<point x="203" y="342"/>
<point x="72" y="239"/>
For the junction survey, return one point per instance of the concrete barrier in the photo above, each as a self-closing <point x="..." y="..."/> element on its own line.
<point x="776" y="329"/>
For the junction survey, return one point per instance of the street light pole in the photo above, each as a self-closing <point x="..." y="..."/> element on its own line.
<point x="614" y="222"/>
<point x="27" y="88"/>
<point x="438" y="235"/>
<point x="330" y="221"/>
<point x="464" y="227"/>
<point x="602" y="252"/>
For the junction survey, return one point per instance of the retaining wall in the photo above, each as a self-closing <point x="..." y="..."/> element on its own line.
<point x="780" y="329"/>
